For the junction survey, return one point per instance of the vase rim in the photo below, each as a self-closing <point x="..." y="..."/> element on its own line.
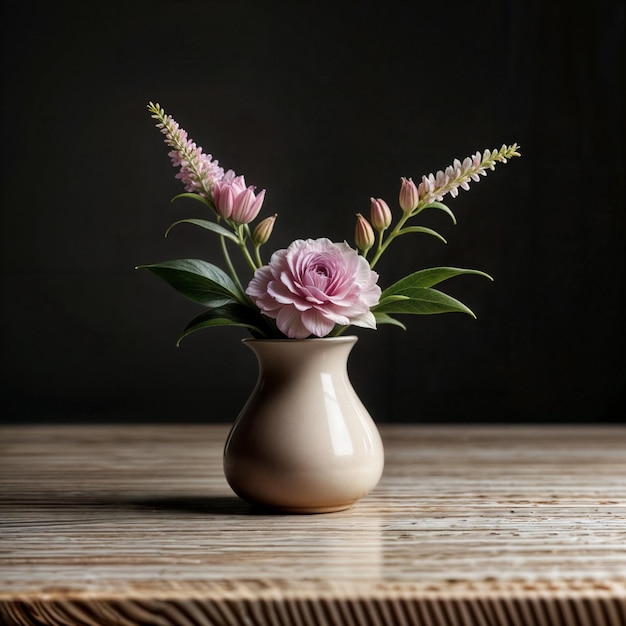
<point x="342" y="339"/>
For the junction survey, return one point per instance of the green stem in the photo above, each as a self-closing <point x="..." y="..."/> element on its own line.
<point x="229" y="264"/>
<point x="383" y="245"/>
<point x="241" y="233"/>
<point x="249" y="259"/>
<point x="257" y="255"/>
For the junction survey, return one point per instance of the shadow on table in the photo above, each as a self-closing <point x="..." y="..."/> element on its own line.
<point x="195" y="505"/>
<point x="203" y="505"/>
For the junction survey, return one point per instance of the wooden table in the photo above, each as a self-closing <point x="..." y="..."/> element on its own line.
<point x="469" y="525"/>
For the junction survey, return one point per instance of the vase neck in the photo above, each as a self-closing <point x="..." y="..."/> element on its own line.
<point x="292" y="355"/>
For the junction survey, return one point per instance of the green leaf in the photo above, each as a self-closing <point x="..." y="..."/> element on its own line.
<point x="231" y="314"/>
<point x="442" y="207"/>
<point x="198" y="280"/>
<point x="391" y="299"/>
<point x="383" y="318"/>
<point x="212" y="226"/>
<point x="422" y="301"/>
<point x="422" y="229"/>
<point x="427" y="278"/>
<point x="193" y="196"/>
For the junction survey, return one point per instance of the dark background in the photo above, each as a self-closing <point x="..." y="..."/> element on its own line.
<point x="323" y="104"/>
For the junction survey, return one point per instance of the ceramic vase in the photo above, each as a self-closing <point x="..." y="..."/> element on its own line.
<point x="304" y="442"/>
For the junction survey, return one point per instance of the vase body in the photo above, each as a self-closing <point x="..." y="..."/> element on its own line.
<point x="304" y="442"/>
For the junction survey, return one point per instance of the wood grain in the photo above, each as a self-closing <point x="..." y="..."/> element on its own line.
<point x="469" y="525"/>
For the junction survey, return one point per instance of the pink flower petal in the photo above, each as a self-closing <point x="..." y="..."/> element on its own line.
<point x="317" y="323"/>
<point x="289" y="322"/>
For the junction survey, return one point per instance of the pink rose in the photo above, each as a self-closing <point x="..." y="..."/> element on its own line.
<point x="313" y="285"/>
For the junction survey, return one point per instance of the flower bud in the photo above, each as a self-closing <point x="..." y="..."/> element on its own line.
<point x="224" y="199"/>
<point x="247" y="206"/>
<point x="409" y="197"/>
<point x="263" y="230"/>
<point x="380" y="214"/>
<point x="363" y="234"/>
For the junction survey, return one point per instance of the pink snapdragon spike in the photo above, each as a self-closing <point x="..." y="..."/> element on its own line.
<point x="313" y="285"/>
<point x="198" y="171"/>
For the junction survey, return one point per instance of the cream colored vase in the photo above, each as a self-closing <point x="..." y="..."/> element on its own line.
<point x="304" y="442"/>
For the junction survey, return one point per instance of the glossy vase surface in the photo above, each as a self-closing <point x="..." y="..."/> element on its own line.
<point x="304" y="442"/>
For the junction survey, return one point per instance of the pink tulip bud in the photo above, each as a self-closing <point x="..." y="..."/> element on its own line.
<point x="224" y="199"/>
<point x="247" y="206"/>
<point x="380" y="214"/>
<point x="363" y="234"/>
<point x="263" y="230"/>
<point x="409" y="196"/>
<point x="226" y="191"/>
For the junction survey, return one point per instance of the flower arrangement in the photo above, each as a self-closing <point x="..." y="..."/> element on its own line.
<point x="313" y="288"/>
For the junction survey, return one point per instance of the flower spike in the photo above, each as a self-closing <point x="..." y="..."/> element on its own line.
<point x="434" y="187"/>
<point x="198" y="171"/>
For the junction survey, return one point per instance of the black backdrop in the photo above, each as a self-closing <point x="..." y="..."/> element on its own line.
<point x="323" y="104"/>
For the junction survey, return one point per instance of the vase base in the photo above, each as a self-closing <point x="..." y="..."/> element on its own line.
<point x="307" y="510"/>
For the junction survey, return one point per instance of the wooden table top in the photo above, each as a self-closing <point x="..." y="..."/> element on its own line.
<point x="510" y="525"/>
